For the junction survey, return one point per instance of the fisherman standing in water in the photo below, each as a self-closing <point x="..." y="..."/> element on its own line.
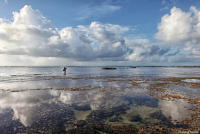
<point x="64" y="70"/>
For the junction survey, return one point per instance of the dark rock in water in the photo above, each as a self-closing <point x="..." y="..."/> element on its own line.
<point x="103" y="114"/>
<point x="109" y="68"/>
<point x="99" y="128"/>
<point x="100" y="115"/>
<point x="81" y="107"/>
<point x="155" y="129"/>
<point x="132" y="67"/>
<point x="81" y="123"/>
<point x="116" y="119"/>
<point x="37" y="74"/>
<point x="147" y="101"/>
<point x="158" y="115"/>
<point x="164" y="120"/>
<point x="136" y="118"/>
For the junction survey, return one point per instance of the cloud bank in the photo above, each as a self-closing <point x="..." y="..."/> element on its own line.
<point x="32" y="36"/>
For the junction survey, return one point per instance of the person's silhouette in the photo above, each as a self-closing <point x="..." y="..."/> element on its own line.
<point x="64" y="70"/>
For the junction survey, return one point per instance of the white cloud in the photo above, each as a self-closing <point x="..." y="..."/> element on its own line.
<point x="181" y="28"/>
<point x="29" y="17"/>
<point x="32" y="34"/>
<point x="32" y="39"/>
<point x="174" y="27"/>
<point x="146" y="51"/>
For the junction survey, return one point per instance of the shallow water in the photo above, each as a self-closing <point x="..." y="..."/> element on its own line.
<point x="42" y="99"/>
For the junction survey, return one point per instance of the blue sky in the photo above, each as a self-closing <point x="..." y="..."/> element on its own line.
<point x="141" y="18"/>
<point x="143" y="15"/>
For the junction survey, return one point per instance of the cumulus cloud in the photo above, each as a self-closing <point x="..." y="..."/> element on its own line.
<point x="174" y="27"/>
<point x="144" y="50"/>
<point x="181" y="28"/>
<point x="32" y="34"/>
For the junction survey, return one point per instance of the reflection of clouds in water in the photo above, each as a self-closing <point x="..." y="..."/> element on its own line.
<point x="25" y="105"/>
<point x="176" y="110"/>
<point x="66" y="97"/>
<point x="27" y="115"/>
<point x="92" y="98"/>
<point x="99" y="99"/>
<point x="113" y="96"/>
<point x="28" y="105"/>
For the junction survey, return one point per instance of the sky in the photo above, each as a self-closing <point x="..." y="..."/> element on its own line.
<point x="99" y="32"/>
